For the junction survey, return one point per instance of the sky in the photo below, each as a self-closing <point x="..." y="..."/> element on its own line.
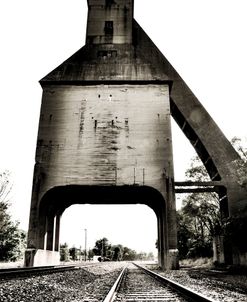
<point x="205" y="40"/>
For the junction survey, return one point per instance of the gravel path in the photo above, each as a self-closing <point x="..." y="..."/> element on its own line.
<point x="82" y="285"/>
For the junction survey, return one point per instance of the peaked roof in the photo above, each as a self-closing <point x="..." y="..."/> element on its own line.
<point x="140" y="61"/>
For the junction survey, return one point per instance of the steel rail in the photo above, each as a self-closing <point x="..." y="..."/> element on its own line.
<point x="17" y="272"/>
<point x="186" y="292"/>
<point x="113" y="291"/>
<point x="20" y="271"/>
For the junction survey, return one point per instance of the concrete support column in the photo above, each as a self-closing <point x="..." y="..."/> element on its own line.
<point x="222" y="250"/>
<point x="47" y="252"/>
<point x="41" y="233"/>
<point x="159" y="239"/>
<point x="57" y="233"/>
<point x="218" y="249"/>
<point x="162" y="242"/>
<point x="50" y="236"/>
<point x="172" y="251"/>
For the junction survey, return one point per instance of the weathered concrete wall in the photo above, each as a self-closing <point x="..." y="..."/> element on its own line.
<point x="119" y="12"/>
<point x="105" y="135"/>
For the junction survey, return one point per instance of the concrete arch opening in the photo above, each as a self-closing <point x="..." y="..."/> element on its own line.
<point x="58" y="199"/>
<point x="133" y="226"/>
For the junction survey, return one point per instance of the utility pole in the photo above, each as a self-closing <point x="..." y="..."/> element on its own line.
<point x="85" y="244"/>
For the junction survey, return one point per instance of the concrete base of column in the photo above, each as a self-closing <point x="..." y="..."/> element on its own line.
<point x="172" y="261"/>
<point x="240" y="259"/>
<point x="37" y="257"/>
<point x="218" y="250"/>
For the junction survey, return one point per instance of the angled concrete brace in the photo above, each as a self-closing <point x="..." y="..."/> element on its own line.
<point x="211" y="145"/>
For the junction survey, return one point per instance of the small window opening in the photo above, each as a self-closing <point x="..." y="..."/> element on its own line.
<point x="107" y="54"/>
<point x="109" y="28"/>
<point x="102" y="53"/>
<point x="109" y="2"/>
<point x="113" y="53"/>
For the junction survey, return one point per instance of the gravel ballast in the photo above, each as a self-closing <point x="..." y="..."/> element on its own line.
<point x="220" y="288"/>
<point x="92" y="283"/>
<point x="89" y="284"/>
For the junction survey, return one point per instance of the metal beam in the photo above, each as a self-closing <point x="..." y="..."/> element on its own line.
<point x="198" y="183"/>
<point x="196" y="190"/>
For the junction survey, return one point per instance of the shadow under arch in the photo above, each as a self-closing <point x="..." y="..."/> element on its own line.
<point x="61" y="197"/>
<point x="55" y="201"/>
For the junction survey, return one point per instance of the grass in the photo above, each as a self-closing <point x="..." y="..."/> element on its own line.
<point x="199" y="262"/>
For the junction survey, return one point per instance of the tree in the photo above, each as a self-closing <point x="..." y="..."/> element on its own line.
<point x="200" y="225"/>
<point x="117" y="254"/>
<point x="184" y="234"/>
<point x="5" y="187"/>
<point x="12" y="239"/>
<point x="90" y="254"/>
<point x="199" y="220"/>
<point x="196" y="171"/>
<point x="129" y="254"/>
<point x="236" y="226"/>
<point x="150" y="256"/>
<point x="240" y="148"/>
<point x="102" y="248"/>
<point x="241" y="164"/>
<point x="74" y="253"/>
<point x="64" y="252"/>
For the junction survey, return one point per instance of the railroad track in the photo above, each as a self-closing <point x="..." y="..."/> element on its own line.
<point x="9" y="273"/>
<point x="27" y="271"/>
<point x="138" y="284"/>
